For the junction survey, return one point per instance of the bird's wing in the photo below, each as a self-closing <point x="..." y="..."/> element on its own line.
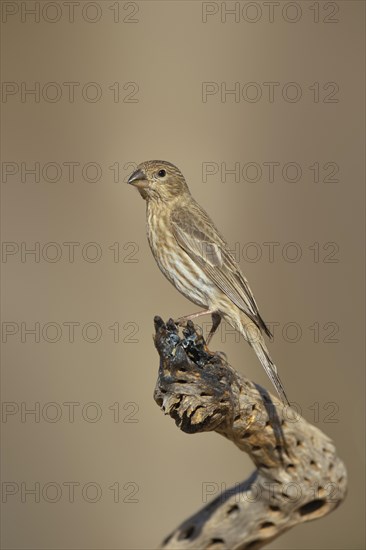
<point x="196" y="234"/>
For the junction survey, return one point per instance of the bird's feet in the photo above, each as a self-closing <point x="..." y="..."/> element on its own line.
<point x="181" y="321"/>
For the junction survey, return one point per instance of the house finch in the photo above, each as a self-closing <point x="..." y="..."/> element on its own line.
<point x="195" y="258"/>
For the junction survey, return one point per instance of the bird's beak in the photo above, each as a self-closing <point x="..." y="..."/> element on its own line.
<point x="138" y="179"/>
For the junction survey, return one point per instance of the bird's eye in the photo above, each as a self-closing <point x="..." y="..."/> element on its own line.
<point x="161" y="173"/>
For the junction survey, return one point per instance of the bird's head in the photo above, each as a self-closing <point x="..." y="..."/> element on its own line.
<point x="158" y="180"/>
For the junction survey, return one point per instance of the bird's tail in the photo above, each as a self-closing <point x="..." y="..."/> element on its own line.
<point x="251" y="329"/>
<point x="261" y="350"/>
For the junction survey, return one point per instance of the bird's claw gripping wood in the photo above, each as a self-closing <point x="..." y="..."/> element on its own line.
<point x="216" y="320"/>
<point x="299" y="476"/>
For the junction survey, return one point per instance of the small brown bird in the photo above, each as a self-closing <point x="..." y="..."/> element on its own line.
<point x="195" y="258"/>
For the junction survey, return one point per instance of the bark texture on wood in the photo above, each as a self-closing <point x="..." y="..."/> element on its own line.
<point x="299" y="476"/>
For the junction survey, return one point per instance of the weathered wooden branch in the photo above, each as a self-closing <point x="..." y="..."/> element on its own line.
<point x="299" y="477"/>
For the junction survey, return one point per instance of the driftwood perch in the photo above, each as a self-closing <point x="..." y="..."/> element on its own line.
<point x="298" y="477"/>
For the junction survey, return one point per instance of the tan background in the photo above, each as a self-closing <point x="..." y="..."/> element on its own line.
<point x="169" y="52"/>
